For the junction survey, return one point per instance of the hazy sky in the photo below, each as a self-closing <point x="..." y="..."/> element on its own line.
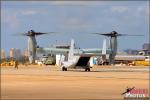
<point x="74" y="19"/>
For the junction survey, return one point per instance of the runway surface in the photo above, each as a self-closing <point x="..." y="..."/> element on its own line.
<point x="49" y="82"/>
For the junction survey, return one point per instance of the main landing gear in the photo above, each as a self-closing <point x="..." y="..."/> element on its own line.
<point x="64" y="69"/>
<point x="87" y="69"/>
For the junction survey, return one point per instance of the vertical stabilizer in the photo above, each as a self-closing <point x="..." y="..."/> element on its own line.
<point x="71" y="51"/>
<point x="104" y="47"/>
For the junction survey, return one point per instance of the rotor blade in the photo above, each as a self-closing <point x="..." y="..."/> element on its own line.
<point x="19" y="34"/>
<point x="110" y="34"/>
<point x="105" y="34"/>
<point x="129" y="35"/>
<point x="40" y="33"/>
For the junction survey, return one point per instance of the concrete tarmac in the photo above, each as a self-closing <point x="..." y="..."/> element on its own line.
<point x="49" y="82"/>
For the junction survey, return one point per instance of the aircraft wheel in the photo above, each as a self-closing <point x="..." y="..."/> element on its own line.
<point x="87" y="69"/>
<point x="63" y="68"/>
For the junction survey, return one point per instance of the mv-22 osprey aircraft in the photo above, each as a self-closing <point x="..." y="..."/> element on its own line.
<point x="77" y="58"/>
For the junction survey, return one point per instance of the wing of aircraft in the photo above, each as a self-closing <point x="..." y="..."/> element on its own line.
<point x="52" y="50"/>
<point x="94" y="51"/>
<point x="82" y="52"/>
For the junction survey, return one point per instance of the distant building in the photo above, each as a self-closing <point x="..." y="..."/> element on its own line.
<point x="3" y="56"/>
<point x="15" y="53"/>
<point x="146" y="46"/>
<point x="12" y="53"/>
<point x="132" y="52"/>
<point x="18" y="53"/>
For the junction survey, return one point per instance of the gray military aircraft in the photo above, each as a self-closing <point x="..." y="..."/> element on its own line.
<point x="33" y="48"/>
